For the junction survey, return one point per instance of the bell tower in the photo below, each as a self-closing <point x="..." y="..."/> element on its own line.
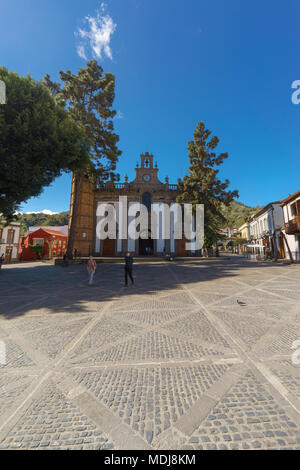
<point x="147" y="160"/>
<point x="147" y="171"/>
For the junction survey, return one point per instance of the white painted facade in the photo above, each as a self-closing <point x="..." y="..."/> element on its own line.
<point x="290" y="209"/>
<point x="263" y="227"/>
<point x="130" y="244"/>
<point x="9" y="240"/>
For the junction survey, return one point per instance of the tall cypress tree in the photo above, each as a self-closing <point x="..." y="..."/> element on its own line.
<point x="89" y="96"/>
<point x="201" y="185"/>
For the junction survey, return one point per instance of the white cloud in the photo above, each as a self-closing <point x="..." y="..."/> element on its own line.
<point x="45" y="211"/>
<point x="81" y="51"/>
<point x="97" y="34"/>
<point x="119" y="115"/>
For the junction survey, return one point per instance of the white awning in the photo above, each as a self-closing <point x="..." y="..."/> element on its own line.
<point x="249" y="245"/>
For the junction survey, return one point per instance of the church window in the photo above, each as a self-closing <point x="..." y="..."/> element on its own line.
<point x="146" y="200"/>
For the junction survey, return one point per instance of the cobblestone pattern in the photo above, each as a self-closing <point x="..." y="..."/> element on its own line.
<point x="150" y="399"/>
<point x="35" y="322"/>
<point x="283" y="343"/>
<point x="247" y="417"/>
<point x="151" y="317"/>
<point x="154" y="305"/>
<point x="149" y="356"/>
<point x="53" y="422"/>
<point x="152" y="346"/>
<point x="53" y="340"/>
<point x="104" y="334"/>
<point x="249" y="329"/>
<point x="11" y="387"/>
<point x="289" y="375"/>
<point x="196" y="326"/>
<point x="15" y="356"/>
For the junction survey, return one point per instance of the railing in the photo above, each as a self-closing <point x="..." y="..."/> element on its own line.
<point x="292" y="226"/>
<point x="113" y="187"/>
<point x="110" y="187"/>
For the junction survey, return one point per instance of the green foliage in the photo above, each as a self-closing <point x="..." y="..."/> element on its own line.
<point x="237" y="213"/>
<point x="202" y="186"/>
<point x="239" y="241"/>
<point x="42" y="220"/>
<point x="88" y="96"/>
<point x="39" y="140"/>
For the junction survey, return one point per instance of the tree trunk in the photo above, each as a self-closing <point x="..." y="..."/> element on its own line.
<point x="74" y="214"/>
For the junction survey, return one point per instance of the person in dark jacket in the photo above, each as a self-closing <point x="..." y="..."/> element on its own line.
<point x="128" y="268"/>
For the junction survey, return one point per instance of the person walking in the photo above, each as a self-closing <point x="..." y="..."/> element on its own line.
<point x="128" y="268"/>
<point x="91" y="268"/>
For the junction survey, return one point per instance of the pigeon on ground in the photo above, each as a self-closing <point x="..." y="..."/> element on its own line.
<point x="240" y="302"/>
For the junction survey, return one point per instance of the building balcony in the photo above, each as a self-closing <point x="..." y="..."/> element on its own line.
<point x="293" y="225"/>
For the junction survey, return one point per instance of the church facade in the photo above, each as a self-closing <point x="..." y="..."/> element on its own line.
<point x="147" y="189"/>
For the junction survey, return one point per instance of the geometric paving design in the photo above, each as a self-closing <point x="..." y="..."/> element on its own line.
<point x="52" y="340"/>
<point x="196" y="326"/>
<point x="54" y="422"/>
<point x="150" y="317"/>
<point x="15" y="356"/>
<point x="247" y="328"/>
<point x="173" y="362"/>
<point x="151" y="399"/>
<point x="152" y="345"/>
<point x="245" y="416"/>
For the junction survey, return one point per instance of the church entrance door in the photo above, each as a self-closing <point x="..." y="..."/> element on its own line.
<point x="108" y="248"/>
<point x="146" y="246"/>
<point x="181" y="251"/>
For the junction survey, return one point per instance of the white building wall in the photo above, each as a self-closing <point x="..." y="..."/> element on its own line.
<point x="278" y="217"/>
<point x="16" y="226"/>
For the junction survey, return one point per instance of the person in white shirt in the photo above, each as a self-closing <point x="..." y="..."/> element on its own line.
<point x="91" y="268"/>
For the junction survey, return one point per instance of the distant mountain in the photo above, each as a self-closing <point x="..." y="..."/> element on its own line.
<point x="44" y="218"/>
<point x="45" y="211"/>
<point x="238" y="213"/>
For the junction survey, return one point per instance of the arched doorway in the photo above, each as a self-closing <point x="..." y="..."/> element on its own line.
<point x="146" y="245"/>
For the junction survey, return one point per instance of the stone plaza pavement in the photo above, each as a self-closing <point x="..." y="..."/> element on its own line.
<point x="174" y="362"/>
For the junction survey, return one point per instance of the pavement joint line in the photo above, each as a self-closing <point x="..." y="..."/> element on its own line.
<point x="84" y="332"/>
<point x="284" y="297"/>
<point x="243" y="360"/>
<point x="152" y="328"/>
<point x="10" y="421"/>
<point x="37" y="356"/>
<point x="159" y="363"/>
<point x="44" y="376"/>
<point x="94" y="409"/>
<point x="277" y="385"/>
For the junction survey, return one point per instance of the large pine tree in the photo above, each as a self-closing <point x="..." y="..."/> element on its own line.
<point x="202" y="185"/>
<point x="89" y="97"/>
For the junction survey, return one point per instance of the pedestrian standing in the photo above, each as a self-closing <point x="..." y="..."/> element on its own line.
<point x="1" y="260"/>
<point x="128" y="268"/>
<point x="91" y="268"/>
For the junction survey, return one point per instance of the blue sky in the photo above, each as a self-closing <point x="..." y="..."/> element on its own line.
<point x="228" y="63"/>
